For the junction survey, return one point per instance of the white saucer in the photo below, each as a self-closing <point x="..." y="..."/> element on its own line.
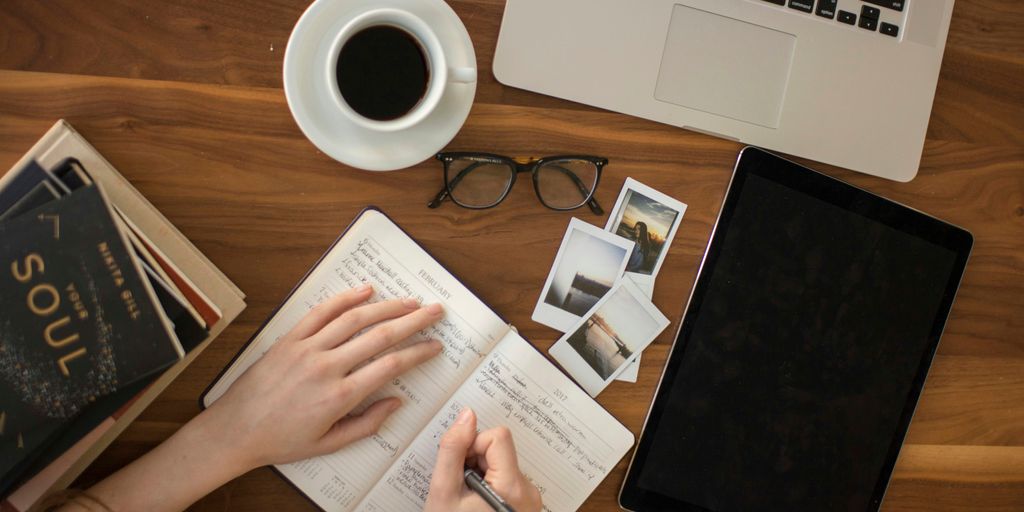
<point x="317" y="115"/>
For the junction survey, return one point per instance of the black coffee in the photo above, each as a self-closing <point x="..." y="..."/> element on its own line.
<point x="382" y="72"/>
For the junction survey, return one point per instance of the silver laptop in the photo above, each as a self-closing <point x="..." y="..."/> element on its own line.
<point x="845" y="82"/>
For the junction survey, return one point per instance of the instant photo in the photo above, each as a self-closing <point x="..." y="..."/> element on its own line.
<point x="632" y="371"/>
<point x="587" y="265"/>
<point x="604" y="341"/>
<point x="650" y="219"/>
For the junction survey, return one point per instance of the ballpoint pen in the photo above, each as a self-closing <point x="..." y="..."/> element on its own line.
<point x="479" y="486"/>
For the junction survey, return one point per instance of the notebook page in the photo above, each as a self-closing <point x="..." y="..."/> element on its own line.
<point x="566" y="442"/>
<point x="375" y="250"/>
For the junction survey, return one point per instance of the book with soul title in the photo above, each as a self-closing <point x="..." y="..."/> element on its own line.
<point x="78" y="319"/>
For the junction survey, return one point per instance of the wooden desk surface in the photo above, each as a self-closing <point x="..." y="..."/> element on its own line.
<point x="185" y="98"/>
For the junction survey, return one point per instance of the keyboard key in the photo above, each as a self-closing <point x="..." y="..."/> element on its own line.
<point x="889" y="29"/>
<point x="827" y="8"/>
<point x="847" y="17"/>
<point x="868" y="23"/>
<point x="802" y="5"/>
<point x="870" y="12"/>
<point x="890" y="4"/>
<point x="777" y="2"/>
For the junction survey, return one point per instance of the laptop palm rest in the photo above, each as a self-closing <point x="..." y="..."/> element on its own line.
<point x="725" y="66"/>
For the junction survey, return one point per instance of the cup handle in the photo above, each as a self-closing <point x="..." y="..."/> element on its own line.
<point x="462" y="75"/>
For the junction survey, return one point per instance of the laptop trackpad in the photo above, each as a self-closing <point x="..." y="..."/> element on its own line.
<point x="725" y="66"/>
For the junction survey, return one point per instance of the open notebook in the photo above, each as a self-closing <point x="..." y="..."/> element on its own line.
<point x="566" y="442"/>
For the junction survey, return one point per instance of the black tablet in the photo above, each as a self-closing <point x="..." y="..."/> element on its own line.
<point x="803" y="350"/>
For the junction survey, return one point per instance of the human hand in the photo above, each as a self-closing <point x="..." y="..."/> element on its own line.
<point x="494" y="453"/>
<point x="294" y="403"/>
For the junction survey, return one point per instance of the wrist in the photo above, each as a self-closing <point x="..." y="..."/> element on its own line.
<point x="197" y="459"/>
<point x="211" y="434"/>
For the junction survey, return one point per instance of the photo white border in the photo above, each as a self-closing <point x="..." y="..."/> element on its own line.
<point x="646" y="285"/>
<point x="577" y="367"/>
<point x="679" y="206"/>
<point x="632" y="371"/>
<point x="558" y="318"/>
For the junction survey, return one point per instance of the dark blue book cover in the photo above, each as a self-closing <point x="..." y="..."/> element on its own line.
<point x="25" y="179"/>
<point x="78" y="319"/>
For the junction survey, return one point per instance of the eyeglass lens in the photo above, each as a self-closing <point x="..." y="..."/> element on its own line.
<point x="566" y="184"/>
<point x="478" y="183"/>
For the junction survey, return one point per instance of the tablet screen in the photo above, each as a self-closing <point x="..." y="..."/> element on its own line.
<point x="802" y="352"/>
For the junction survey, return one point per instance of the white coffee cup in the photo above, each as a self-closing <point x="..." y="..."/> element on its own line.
<point x="439" y="78"/>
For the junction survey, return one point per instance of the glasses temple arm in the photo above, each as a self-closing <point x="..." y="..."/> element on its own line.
<point x="439" y="198"/>
<point x="595" y="206"/>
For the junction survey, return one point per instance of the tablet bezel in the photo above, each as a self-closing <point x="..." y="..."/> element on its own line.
<point x="789" y="174"/>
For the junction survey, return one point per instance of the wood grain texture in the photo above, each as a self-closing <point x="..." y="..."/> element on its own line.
<point x="184" y="98"/>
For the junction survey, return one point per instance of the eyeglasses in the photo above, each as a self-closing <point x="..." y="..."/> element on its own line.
<point x="482" y="180"/>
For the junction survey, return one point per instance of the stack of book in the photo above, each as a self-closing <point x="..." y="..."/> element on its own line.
<point x="103" y="303"/>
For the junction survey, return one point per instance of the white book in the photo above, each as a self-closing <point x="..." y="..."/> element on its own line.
<point x="567" y="443"/>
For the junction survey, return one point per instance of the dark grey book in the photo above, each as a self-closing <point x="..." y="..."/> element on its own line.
<point x="71" y="172"/>
<point x="25" y="179"/>
<point x="189" y="332"/>
<point x="27" y="183"/>
<point x="78" y="319"/>
<point x="43" y="193"/>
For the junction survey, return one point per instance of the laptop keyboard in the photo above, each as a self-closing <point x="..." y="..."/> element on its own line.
<point x="870" y="16"/>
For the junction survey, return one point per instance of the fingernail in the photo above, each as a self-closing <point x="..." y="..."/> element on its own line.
<point x="437" y="345"/>
<point x="395" y="405"/>
<point x="464" y="416"/>
<point x="434" y="309"/>
<point x="411" y="303"/>
<point x="364" y="287"/>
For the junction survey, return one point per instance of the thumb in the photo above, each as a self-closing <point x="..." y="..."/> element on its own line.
<point x="355" y="427"/>
<point x="447" y="480"/>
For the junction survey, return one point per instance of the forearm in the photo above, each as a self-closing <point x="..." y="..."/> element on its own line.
<point x="184" y="468"/>
<point x="295" y="403"/>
